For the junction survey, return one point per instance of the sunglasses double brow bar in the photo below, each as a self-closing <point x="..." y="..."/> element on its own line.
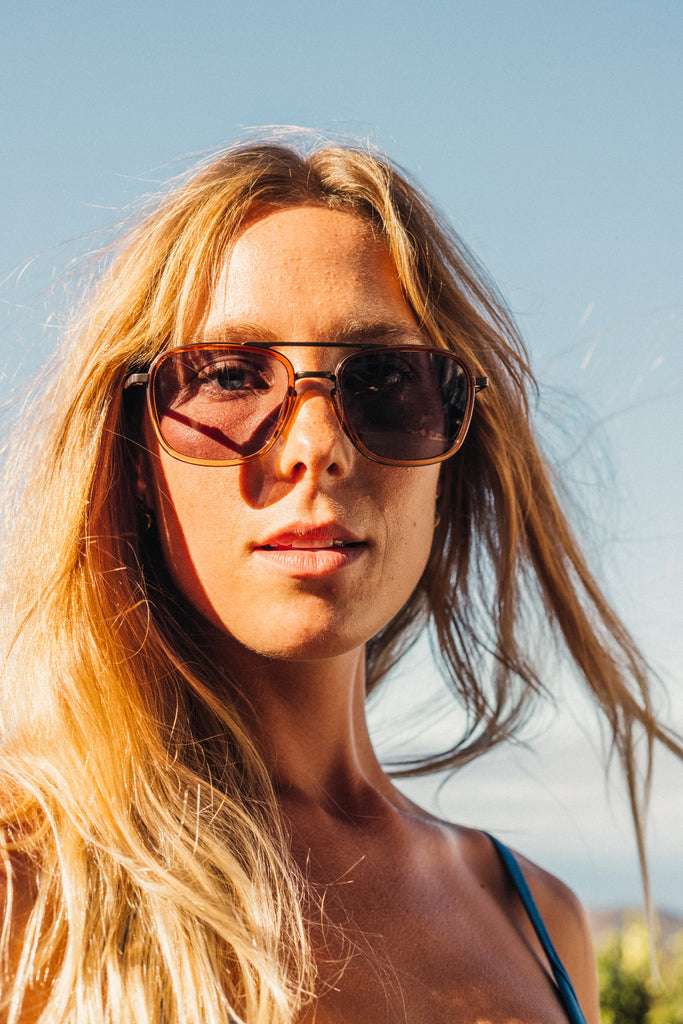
<point x="374" y="452"/>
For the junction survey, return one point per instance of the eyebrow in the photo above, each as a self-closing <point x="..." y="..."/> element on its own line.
<point x="354" y="332"/>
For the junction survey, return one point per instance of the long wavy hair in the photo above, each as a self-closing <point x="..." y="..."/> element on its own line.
<point x="147" y="875"/>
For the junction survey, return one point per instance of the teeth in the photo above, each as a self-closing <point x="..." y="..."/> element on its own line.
<point x="307" y="545"/>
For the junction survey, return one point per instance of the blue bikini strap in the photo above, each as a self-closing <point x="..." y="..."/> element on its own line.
<point x="562" y="980"/>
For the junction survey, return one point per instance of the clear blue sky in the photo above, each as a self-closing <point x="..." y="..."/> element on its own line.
<point x="550" y="132"/>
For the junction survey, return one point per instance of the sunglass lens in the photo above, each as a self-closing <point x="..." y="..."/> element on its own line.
<point x="405" y="405"/>
<point x="219" y="405"/>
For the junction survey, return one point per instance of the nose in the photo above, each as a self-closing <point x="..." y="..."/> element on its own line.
<point x="313" y="441"/>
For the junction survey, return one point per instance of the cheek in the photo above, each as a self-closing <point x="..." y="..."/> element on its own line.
<point x="190" y="502"/>
<point x="195" y="520"/>
<point x="206" y="517"/>
<point x="408" y="509"/>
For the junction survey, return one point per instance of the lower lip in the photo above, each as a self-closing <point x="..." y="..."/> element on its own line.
<point x="310" y="562"/>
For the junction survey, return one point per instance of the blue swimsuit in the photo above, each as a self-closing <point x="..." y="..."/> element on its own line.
<point x="565" y="989"/>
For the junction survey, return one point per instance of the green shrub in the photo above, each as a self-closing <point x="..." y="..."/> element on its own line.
<point x="627" y="993"/>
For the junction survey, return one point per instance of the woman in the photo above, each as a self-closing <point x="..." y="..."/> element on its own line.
<point x="254" y="493"/>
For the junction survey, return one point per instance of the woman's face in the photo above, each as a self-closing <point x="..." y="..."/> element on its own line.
<point x="308" y="551"/>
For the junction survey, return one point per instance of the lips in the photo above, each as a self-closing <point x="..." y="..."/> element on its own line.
<point x="310" y="538"/>
<point x="305" y="544"/>
<point x="308" y="551"/>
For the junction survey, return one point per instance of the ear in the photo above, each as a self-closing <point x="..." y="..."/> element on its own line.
<point x="144" y="498"/>
<point x="140" y="484"/>
<point x="144" y="483"/>
<point x="140" y="481"/>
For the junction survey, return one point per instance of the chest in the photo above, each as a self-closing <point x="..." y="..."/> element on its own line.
<point x="413" y="951"/>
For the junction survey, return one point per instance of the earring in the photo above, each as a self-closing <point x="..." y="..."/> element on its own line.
<point x="437" y="514"/>
<point x="145" y="516"/>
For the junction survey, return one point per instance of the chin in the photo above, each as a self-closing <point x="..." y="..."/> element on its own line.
<point x="279" y="642"/>
<point x="309" y="647"/>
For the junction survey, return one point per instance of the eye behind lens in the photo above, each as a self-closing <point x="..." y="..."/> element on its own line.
<point x="219" y="404"/>
<point x="405" y="404"/>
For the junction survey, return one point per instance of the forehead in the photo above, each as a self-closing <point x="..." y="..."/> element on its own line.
<point x="310" y="267"/>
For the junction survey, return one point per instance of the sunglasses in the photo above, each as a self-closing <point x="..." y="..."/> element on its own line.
<point x="223" y="404"/>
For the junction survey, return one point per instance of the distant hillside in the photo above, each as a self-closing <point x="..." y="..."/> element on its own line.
<point x="604" y="921"/>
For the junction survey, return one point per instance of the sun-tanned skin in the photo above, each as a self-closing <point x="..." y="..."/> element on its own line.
<point x="413" y="920"/>
<point x="418" y="923"/>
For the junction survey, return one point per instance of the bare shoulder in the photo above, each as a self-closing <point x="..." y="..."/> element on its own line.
<point x="567" y="923"/>
<point x="561" y="910"/>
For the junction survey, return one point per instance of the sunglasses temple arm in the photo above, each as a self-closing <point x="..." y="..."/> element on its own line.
<point x="479" y="383"/>
<point x="135" y="378"/>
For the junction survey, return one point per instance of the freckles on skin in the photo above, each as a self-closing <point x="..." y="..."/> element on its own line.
<point x="207" y="525"/>
<point x="289" y="279"/>
<point x="299" y="275"/>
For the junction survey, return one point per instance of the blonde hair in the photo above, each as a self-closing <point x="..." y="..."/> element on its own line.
<point x="138" y="813"/>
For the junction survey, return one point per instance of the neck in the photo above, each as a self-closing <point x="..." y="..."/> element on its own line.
<point x="309" y="721"/>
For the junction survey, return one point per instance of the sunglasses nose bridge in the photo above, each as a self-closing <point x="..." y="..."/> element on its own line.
<point x="315" y="383"/>
<point x="325" y="375"/>
<point x="323" y="381"/>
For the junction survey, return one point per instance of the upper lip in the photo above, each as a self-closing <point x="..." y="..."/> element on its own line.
<point x="307" y="535"/>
